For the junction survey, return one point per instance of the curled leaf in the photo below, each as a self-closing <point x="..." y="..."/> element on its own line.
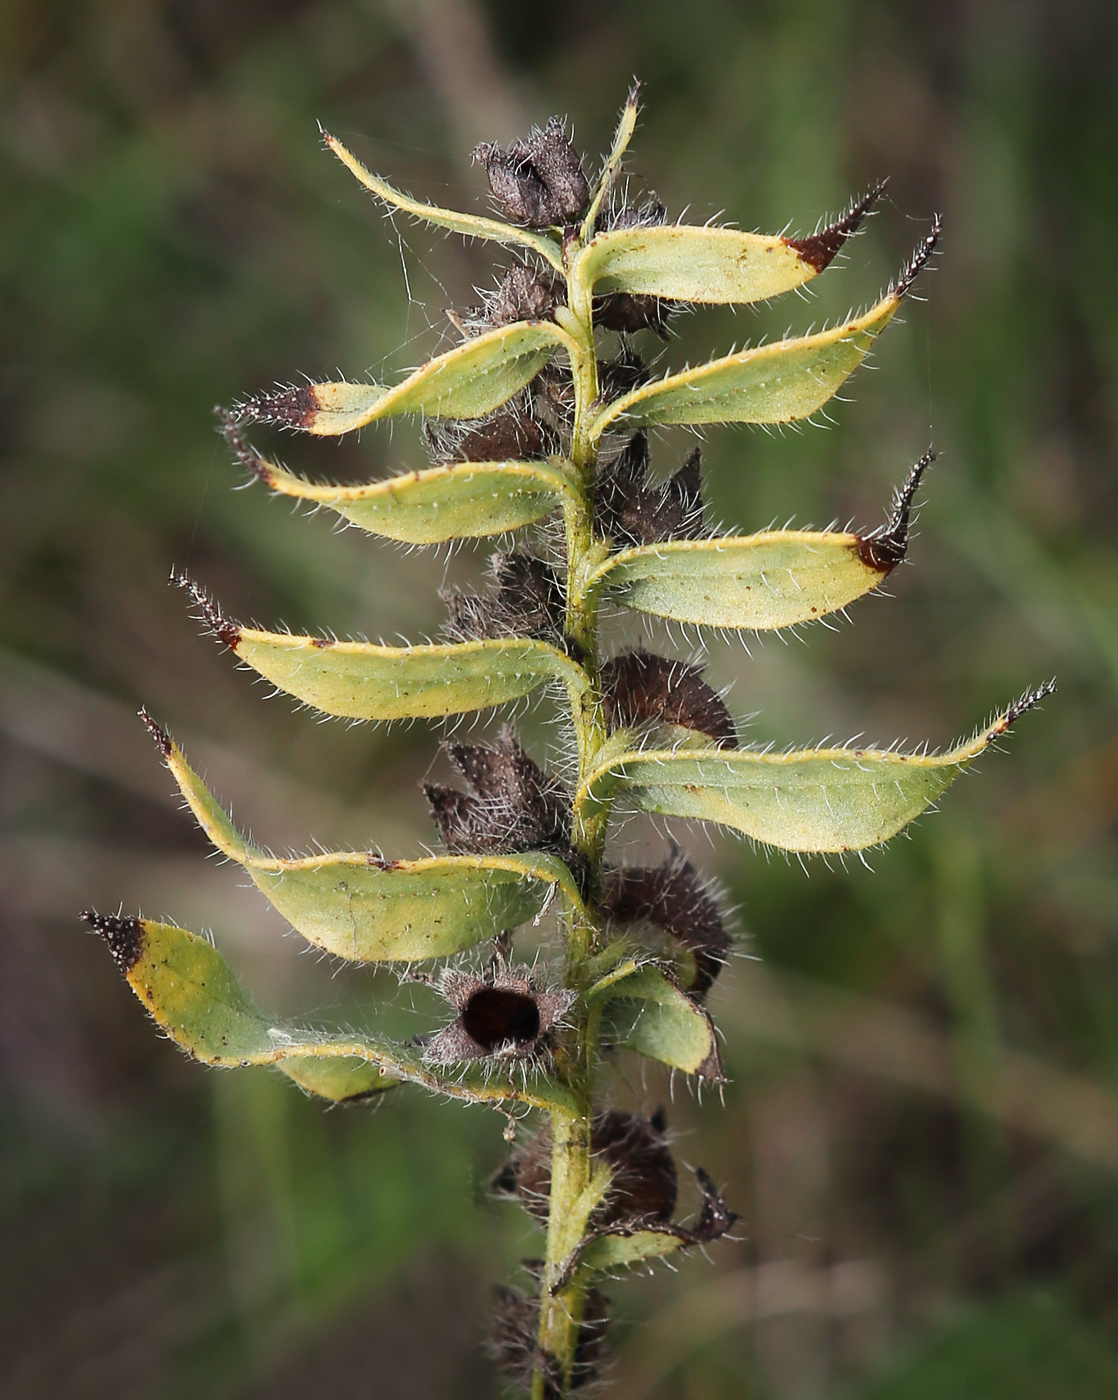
<point x="192" y="993"/>
<point x="778" y="383"/>
<point x="713" y="265"/>
<point x="824" y="799"/>
<point x="463" y="501"/>
<point x="360" y="907"/>
<point x="365" y="680"/>
<point x="776" y="578"/>
<point x="469" y="225"/>
<point x="648" y="1013"/>
<point x="469" y="381"/>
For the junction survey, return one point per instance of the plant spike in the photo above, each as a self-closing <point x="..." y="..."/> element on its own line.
<point x="517" y="432"/>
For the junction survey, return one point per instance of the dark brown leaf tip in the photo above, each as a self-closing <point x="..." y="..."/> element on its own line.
<point x="630" y="511"/>
<point x="639" y="687"/>
<point x="295" y="407"/>
<point x="1028" y="701"/>
<point x="512" y="804"/>
<point x="502" y="1015"/>
<point x="222" y="628"/>
<point x="124" y="936"/>
<point x="674" y="897"/>
<point x="887" y="546"/>
<point x="820" y="249"/>
<point x="538" y="182"/>
<point x="526" y="601"/>
<point x="242" y="451"/>
<point x="513" y="1343"/>
<point x="644" y="1184"/>
<point x="162" y="738"/>
<point x="919" y="259"/>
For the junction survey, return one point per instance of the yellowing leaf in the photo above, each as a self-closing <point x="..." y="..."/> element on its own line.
<point x="778" y="383"/>
<point x="192" y="993"/>
<point x="467" y="382"/>
<point x="680" y="263"/>
<point x="773" y="579"/>
<point x="648" y="1013"/>
<point x="463" y="501"/>
<point x="713" y="265"/>
<point x="362" y="680"/>
<point x="469" y="225"/>
<point x="362" y="908"/>
<point x="815" y="800"/>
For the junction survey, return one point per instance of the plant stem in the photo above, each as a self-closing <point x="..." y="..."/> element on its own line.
<point x="575" y="1186"/>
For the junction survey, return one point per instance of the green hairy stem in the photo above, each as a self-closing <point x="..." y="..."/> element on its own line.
<point x="536" y="412"/>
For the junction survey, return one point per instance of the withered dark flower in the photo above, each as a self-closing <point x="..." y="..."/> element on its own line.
<point x="632" y="512"/>
<point x="639" y="687"/>
<point x="512" y="804"/>
<point x="523" y="295"/>
<point x="674" y="897"/>
<point x="644" y="1184"/>
<point x="527" y="600"/>
<point x="514" y="1347"/>
<point x="538" y="181"/>
<point x="511" y="434"/>
<point x="502" y="1015"/>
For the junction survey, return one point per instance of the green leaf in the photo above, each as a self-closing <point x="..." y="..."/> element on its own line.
<point x="682" y="263"/>
<point x="192" y="993"/>
<point x="778" y="383"/>
<point x="463" y="501"/>
<point x="618" y="1251"/>
<point x="364" y="680"/>
<point x="648" y="1013"/>
<point x="359" y="907"/>
<point x="772" y="579"/>
<point x="467" y="382"/>
<point x="470" y="225"/>
<point x="838" y="799"/>
<point x="626" y="125"/>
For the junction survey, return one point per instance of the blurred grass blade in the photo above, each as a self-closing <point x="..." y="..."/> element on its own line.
<point x="778" y="383"/>
<point x="358" y="907"/>
<point x="467" y="382"/>
<point x="464" y="501"/>
<point x="712" y="265"/>
<point x="773" y="579"/>
<point x="648" y="1013"/>
<point x="193" y="995"/>
<point x="365" y="680"/>
<point x="814" y="800"/>
<point x="469" y="225"/>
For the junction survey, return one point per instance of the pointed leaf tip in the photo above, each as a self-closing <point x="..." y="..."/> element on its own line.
<point x="162" y="738"/>
<point x="886" y="547"/>
<point x="919" y="260"/>
<point x="243" y="452"/>
<point x="125" y="937"/>
<point x="1028" y="701"/>
<point x="222" y="628"/>
<point x="820" y="249"/>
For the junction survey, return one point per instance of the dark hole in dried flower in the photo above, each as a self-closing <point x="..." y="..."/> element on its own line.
<point x="495" y="1016"/>
<point x="502" y="1014"/>
<point x="538" y="181"/>
<point x="639" y="687"/>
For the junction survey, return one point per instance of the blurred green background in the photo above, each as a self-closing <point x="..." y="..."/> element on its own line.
<point x="921" y="1133"/>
